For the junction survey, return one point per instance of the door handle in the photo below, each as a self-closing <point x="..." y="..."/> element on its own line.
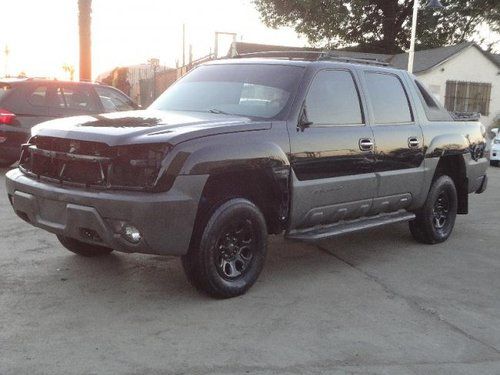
<point x="413" y="142"/>
<point x="366" y="144"/>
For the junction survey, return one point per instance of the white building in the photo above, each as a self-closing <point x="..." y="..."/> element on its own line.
<point x="463" y="76"/>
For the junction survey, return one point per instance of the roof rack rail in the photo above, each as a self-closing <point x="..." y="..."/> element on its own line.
<point x="333" y="56"/>
<point x="311" y="56"/>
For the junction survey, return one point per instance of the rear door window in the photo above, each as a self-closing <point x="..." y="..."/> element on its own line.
<point x="388" y="98"/>
<point x="113" y="101"/>
<point x="77" y="99"/>
<point x="38" y="97"/>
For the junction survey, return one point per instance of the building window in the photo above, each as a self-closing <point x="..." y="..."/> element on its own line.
<point x="468" y="97"/>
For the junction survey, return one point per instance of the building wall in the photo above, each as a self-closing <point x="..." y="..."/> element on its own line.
<point x="469" y="65"/>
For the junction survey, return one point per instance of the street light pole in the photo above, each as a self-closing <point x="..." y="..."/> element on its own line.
<point x="432" y="4"/>
<point x="411" y="55"/>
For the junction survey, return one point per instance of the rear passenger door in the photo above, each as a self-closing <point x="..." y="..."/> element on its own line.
<point x="332" y="159"/>
<point x="399" y="142"/>
<point x="30" y="104"/>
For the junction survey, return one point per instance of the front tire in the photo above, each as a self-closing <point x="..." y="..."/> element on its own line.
<point x="434" y="222"/>
<point x="82" y="248"/>
<point x="228" y="251"/>
<point x="494" y="163"/>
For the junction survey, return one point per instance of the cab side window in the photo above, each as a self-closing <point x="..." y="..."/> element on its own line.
<point x="333" y="99"/>
<point x="388" y="98"/>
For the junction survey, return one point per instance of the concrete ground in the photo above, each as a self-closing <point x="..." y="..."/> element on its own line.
<point x="370" y="303"/>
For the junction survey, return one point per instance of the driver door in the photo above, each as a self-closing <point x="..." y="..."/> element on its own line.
<point x="333" y="157"/>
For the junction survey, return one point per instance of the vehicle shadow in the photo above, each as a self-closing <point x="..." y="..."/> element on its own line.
<point x="152" y="278"/>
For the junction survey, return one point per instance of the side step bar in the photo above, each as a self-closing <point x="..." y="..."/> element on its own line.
<point x="343" y="227"/>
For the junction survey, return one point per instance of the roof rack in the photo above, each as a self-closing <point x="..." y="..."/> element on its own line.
<point x="311" y="56"/>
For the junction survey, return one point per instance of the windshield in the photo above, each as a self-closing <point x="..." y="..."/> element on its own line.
<point x="254" y="90"/>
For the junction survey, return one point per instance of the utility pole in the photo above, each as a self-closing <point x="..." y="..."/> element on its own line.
<point x="154" y="63"/>
<point x="84" y="22"/>
<point x="432" y="4"/>
<point x="183" y="44"/>
<point x="411" y="55"/>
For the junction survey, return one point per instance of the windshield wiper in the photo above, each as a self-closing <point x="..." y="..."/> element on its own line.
<point x="219" y="112"/>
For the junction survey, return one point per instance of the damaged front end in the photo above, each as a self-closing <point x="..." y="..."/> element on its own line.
<point x="93" y="164"/>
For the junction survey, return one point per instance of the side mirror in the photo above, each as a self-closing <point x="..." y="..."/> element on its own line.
<point x="303" y="120"/>
<point x="495" y="131"/>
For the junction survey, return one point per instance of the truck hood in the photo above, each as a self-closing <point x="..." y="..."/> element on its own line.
<point x="146" y="126"/>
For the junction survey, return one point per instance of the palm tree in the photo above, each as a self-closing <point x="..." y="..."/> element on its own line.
<point x="84" y="20"/>
<point x="70" y="69"/>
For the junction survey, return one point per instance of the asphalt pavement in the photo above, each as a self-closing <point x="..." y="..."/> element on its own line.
<point x="374" y="302"/>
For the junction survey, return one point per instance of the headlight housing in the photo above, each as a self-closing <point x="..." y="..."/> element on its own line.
<point x="137" y="165"/>
<point x="94" y="164"/>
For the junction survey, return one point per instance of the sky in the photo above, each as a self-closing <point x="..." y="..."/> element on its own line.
<point x="124" y="32"/>
<point x="42" y="36"/>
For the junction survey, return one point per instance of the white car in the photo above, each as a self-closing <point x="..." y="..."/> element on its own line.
<point x="495" y="149"/>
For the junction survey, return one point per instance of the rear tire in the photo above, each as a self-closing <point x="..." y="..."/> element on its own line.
<point x="434" y="222"/>
<point x="82" y="248"/>
<point x="228" y="251"/>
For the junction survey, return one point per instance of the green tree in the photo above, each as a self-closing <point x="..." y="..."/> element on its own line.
<point x="380" y="25"/>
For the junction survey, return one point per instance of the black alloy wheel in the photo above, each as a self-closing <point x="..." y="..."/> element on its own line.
<point x="434" y="222"/>
<point x="235" y="248"/>
<point x="228" y="249"/>
<point x="441" y="210"/>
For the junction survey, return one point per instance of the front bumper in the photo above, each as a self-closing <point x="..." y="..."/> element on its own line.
<point x="165" y="219"/>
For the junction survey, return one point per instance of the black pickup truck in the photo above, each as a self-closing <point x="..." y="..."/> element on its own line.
<point x="242" y="148"/>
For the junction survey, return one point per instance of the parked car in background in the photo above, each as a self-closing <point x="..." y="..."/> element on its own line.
<point x="27" y="102"/>
<point x="495" y="149"/>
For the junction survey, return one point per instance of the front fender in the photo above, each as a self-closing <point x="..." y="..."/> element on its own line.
<point x="224" y="158"/>
<point x="228" y="153"/>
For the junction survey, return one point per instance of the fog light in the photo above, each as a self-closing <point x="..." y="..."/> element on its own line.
<point x="131" y="233"/>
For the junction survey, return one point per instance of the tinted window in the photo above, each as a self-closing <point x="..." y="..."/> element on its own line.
<point x="388" y="98"/>
<point x="4" y="89"/>
<point x="113" y="101"/>
<point x="333" y="99"/>
<point x="38" y="96"/>
<point x="78" y="99"/>
<point x="254" y="90"/>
